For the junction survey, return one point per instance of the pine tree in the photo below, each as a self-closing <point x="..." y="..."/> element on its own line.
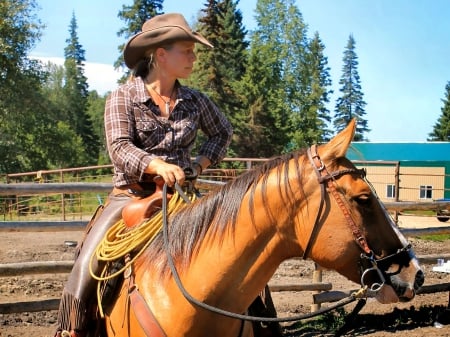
<point x="76" y="94"/>
<point x="277" y="79"/>
<point x="218" y="70"/>
<point x="441" y="130"/>
<point x="309" y="84"/>
<point x="320" y="89"/>
<point x="134" y="16"/>
<point x="351" y="104"/>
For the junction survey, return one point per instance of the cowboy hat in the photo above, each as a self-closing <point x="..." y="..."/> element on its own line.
<point x="160" y="29"/>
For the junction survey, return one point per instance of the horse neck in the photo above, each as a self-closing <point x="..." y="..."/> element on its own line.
<point x="246" y="257"/>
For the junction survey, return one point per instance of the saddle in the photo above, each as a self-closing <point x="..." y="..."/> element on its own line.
<point x="139" y="210"/>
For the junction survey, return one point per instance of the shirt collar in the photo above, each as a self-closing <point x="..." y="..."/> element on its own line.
<point x="142" y="95"/>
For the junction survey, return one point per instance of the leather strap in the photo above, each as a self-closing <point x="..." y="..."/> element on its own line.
<point x="144" y="315"/>
<point x="323" y="177"/>
<point x="141" y="310"/>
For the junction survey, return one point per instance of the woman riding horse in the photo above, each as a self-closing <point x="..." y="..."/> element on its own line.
<point x="200" y="275"/>
<point x="151" y="124"/>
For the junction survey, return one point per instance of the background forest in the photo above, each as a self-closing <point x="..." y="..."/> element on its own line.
<point x="273" y="83"/>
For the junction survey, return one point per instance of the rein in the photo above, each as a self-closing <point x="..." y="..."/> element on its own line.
<point x="360" y="294"/>
<point x="323" y="177"/>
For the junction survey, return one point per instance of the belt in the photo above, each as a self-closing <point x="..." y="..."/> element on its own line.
<point x="135" y="189"/>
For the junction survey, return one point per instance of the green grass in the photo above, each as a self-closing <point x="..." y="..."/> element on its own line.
<point x="435" y="237"/>
<point x="420" y="212"/>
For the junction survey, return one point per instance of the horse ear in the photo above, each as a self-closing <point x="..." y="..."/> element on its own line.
<point x="337" y="147"/>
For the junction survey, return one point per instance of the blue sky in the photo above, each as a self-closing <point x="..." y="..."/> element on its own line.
<point x="403" y="49"/>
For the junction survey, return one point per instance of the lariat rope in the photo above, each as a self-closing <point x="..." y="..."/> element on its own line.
<point x="120" y="240"/>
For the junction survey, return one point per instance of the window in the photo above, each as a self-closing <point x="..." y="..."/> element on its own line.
<point x="390" y="191"/>
<point x="426" y="192"/>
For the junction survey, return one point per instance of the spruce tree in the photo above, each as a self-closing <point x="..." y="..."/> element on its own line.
<point x="310" y="90"/>
<point x="218" y="70"/>
<point x="76" y="94"/>
<point x="441" y="129"/>
<point x="134" y="16"/>
<point x="277" y="80"/>
<point x="320" y="89"/>
<point x="351" y="103"/>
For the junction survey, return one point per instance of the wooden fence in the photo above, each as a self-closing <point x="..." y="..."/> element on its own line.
<point x="322" y="291"/>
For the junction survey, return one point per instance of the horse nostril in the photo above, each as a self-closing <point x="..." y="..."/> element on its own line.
<point x="420" y="278"/>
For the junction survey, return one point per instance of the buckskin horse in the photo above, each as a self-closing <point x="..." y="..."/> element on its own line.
<point x="225" y="247"/>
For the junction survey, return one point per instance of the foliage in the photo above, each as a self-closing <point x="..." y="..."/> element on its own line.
<point x="20" y="101"/>
<point x="218" y="71"/>
<point x="134" y="16"/>
<point x="287" y="82"/>
<point x="273" y="84"/>
<point x="75" y="91"/>
<point x="351" y="104"/>
<point x="262" y="91"/>
<point x="309" y="123"/>
<point x="95" y="110"/>
<point x="441" y="129"/>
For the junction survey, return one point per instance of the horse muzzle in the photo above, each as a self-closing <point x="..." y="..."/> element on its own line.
<point x="403" y="289"/>
<point x="394" y="278"/>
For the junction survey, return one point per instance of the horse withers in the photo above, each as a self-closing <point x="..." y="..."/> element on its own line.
<point x="226" y="246"/>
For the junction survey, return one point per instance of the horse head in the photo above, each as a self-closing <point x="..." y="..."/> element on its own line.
<point x="350" y="227"/>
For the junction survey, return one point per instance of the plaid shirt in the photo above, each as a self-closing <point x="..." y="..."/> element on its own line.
<point x="136" y="134"/>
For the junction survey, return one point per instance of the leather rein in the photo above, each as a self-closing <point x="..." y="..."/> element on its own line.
<point x="326" y="180"/>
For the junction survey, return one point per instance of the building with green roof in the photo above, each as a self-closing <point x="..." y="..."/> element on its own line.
<point x="405" y="171"/>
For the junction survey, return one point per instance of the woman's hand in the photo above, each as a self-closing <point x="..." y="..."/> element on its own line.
<point x="170" y="173"/>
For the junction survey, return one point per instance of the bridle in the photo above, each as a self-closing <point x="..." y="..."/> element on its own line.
<point x="327" y="181"/>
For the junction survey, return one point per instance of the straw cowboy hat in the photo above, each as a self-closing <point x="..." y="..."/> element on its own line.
<point x="157" y="31"/>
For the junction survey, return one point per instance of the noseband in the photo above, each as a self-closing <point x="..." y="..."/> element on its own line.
<point x="368" y="260"/>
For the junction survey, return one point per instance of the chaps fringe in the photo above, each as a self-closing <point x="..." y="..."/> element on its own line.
<point x="73" y="313"/>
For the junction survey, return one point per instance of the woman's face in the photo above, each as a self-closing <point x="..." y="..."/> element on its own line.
<point x="178" y="60"/>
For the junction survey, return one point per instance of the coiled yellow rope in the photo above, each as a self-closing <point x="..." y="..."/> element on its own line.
<point x="119" y="240"/>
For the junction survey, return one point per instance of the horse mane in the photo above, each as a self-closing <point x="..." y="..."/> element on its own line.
<point x="217" y="211"/>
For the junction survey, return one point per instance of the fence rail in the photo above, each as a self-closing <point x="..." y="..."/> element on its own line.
<point x="23" y="197"/>
<point x="323" y="292"/>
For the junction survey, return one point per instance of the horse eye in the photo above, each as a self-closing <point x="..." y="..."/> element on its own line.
<point x="362" y="199"/>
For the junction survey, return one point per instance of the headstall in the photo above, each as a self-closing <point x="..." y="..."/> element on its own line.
<point x="380" y="266"/>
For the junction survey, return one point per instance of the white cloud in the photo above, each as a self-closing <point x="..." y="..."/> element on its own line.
<point x="101" y="77"/>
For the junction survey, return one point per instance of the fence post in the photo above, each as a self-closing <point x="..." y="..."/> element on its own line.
<point x="317" y="278"/>
<point x="397" y="188"/>
<point x="63" y="202"/>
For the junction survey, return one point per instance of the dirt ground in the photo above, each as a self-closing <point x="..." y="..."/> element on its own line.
<point x="403" y="320"/>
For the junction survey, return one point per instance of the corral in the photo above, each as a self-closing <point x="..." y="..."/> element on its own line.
<point x="42" y="246"/>
<point x="379" y="320"/>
